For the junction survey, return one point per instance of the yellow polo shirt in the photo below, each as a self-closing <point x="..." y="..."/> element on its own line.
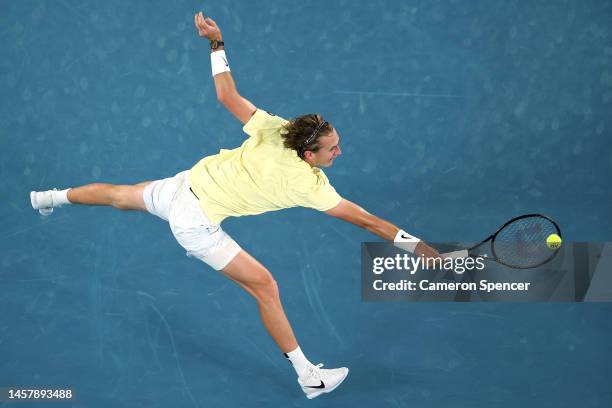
<point x="259" y="176"/>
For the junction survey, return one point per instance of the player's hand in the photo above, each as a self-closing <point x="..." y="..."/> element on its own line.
<point x="207" y="27"/>
<point x="422" y="249"/>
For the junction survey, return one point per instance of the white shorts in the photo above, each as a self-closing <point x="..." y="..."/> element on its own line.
<point x="171" y="200"/>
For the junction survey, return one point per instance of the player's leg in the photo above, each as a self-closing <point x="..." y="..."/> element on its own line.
<point x="259" y="282"/>
<point x="124" y="197"/>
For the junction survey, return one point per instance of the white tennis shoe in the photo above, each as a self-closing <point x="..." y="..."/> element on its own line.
<point x="42" y="201"/>
<point x="319" y="380"/>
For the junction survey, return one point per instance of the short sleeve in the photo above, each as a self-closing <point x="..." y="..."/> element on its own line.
<point x="317" y="193"/>
<point x="263" y="123"/>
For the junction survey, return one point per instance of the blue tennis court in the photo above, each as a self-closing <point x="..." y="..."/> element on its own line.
<point x="453" y="117"/>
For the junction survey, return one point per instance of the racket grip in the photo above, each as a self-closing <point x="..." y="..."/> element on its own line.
<point x="463" y="253"/>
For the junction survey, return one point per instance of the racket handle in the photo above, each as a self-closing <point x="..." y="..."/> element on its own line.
<point x="463" y="253"/>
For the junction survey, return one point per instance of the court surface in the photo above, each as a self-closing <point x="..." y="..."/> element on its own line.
<point x="454" y="116"/>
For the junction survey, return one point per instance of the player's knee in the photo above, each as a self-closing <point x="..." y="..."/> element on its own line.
<point x="265" y="288"/>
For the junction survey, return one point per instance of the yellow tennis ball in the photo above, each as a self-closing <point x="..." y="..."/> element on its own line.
<point x="553" y="241"/>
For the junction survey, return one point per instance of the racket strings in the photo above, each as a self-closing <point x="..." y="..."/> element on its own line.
<point x="522" y="243"/>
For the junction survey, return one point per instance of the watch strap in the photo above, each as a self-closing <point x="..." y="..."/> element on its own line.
<point x="216" y="44"/>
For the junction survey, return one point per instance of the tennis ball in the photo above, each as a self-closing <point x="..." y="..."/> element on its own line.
<point x="553" y="241"/>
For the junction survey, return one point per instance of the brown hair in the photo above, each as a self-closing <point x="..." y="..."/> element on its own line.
<point x="303" y="132"/>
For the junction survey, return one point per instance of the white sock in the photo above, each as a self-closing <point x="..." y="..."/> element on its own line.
<point x="60" y="197"/>
<point x="299" y="361"/>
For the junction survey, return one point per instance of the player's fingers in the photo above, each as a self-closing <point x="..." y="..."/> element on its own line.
<point x="199" y="19"/>
<point x="207" y="23"/>
<point x="436" y="255"/>
<point x="206" y="20"/>
<point x="203" y="26"/>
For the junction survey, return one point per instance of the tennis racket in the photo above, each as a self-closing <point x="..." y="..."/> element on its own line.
<point x="520" y="243"/>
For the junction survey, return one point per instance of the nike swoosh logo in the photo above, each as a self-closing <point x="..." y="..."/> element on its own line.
<point x="322" y="385"/>
<point x="405" y="236"/>
<point x="226" y="64"/>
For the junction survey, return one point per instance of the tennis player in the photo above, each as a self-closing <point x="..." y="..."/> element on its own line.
<point x="278" y="166"/>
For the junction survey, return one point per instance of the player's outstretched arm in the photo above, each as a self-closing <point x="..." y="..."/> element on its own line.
<point x="227" y="93"/>
<point x="351" y="212"/>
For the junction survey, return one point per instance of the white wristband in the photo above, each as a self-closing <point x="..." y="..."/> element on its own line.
<point x="405" y="241"/>
<point x="218" y="62"/>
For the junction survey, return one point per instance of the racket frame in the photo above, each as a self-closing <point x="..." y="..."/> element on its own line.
<point x="494" y="235"/>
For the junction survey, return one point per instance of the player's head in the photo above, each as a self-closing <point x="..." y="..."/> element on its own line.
<point x="313" y="138"/>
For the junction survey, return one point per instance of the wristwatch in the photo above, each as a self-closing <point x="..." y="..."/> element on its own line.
<point x="215" y="44"/>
